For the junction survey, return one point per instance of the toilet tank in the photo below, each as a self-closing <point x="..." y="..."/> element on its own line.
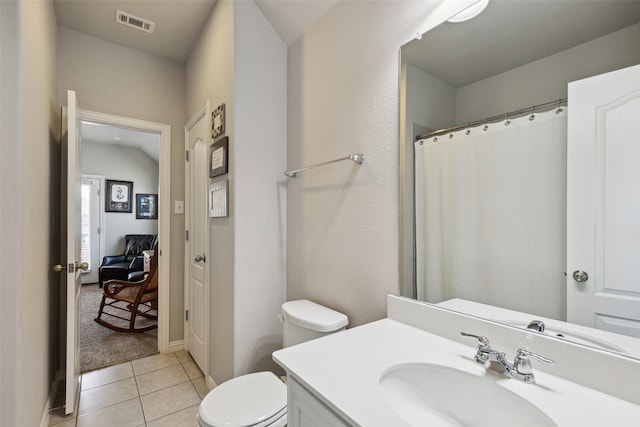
<point x="304" y="320"/>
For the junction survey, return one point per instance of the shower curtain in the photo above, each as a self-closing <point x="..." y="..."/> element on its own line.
<point x="490" y="214"/>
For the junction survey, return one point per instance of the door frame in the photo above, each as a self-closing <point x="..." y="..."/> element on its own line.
<point x="204" y="112"/>
<point x="164" y="217"/>
<point x="101" y="214"/>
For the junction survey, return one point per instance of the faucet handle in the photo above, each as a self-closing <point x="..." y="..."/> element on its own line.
<point x="483" y="342"/>
<point x="522" y="364"/>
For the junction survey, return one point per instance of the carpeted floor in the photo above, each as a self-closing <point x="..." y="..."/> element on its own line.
<point x="100" y="346"/>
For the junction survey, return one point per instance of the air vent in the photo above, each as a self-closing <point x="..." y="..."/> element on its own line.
<point x="135" y="22"/>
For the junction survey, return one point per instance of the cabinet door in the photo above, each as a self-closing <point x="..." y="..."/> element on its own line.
<point x="305" y="410"/>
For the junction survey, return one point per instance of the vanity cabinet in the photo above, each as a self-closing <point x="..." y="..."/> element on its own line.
<point x="306" y="410"/>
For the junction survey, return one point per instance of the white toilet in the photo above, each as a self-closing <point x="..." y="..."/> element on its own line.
<point x="260" y="399"/>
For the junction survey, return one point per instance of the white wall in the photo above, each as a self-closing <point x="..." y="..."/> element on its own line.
<point x="209" y="76"/>
<point x="240" y="60"/>
<point x="29" y="215"/>
<point x="109" y="78"/>
<point x="546" y="79"/>
<point x="343" y="222"/>
<point x="260" y="101"/>
<point x="122" y="164"/>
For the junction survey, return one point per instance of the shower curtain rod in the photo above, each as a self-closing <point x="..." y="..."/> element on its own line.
<point x="511" y="114"/>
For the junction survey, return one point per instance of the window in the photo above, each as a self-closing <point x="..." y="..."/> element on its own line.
<point x="85" y="223"/>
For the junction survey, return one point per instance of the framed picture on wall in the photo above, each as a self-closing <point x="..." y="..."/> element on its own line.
<point x="218" y="157"/>
<point x="119" y="195"/>
<point x="146" y="206"/>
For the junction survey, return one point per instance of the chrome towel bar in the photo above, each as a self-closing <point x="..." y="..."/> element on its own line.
<point x="358" y="158"/>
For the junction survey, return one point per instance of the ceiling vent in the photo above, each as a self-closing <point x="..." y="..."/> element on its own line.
<point x="135" y="22"/>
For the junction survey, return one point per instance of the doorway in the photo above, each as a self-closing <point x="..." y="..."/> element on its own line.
<point x="92" y="220"/>
<point x="114" y="125"/>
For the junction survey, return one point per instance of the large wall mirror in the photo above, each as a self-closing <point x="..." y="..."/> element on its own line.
<point x="484" y="214"/>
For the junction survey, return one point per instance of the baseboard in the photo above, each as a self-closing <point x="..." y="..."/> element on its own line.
<point x="46" y="414"/>
<point x="210" y="382"/>
<point x="176" y="346"/>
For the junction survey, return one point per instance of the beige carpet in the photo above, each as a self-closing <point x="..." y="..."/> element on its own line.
<point x="100" y="346"/>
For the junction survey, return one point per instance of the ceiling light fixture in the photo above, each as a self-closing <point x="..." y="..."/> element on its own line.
<point x="469" y="13"/>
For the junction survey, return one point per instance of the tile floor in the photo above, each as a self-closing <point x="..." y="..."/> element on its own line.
<point x="155" y="391"/>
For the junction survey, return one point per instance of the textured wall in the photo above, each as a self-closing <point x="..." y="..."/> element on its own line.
<point x="29" y="210"/>
<point x="342" y="244"/>
<point x="113" y="79"/>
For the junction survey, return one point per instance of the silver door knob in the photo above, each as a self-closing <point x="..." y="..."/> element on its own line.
<point x="59" y="267"/>
<point x="82" y="266"/>
<point x="580" y="276"/>
<point x="199" y="258"/>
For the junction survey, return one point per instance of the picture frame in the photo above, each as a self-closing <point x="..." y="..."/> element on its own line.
<point x="119" y="196"/>
<point x="217" y="121"/>
<point x="146" y="206"/>
<point x="218" y="199"/>
<point x="219" y="157"/>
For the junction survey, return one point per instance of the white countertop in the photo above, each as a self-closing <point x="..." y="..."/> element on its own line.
<point x="344" y="370"/>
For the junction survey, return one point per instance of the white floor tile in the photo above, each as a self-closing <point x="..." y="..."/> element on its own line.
<point x="169" y="400"/>
<point x="183" y="418"/>
<point x="152" y="363"/>
<point x="106" y="395"/>
<point x="161" y="378"/>
<point x="107" y="375"/>
<point x="124" y="414"/>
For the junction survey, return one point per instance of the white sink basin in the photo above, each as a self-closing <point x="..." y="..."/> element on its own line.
<point x="424" y="394"/>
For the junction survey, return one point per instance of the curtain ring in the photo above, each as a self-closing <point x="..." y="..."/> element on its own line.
<point x="451" y="135"/>
<point x="486" y="126"/>
<point x="468" y="130"/>
<point x="507" y="122"/>
<point x="532" y="116"/>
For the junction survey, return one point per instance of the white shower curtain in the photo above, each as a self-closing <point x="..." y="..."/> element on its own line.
<point x="490" y="215"/>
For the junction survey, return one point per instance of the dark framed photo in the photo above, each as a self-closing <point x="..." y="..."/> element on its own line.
<point x="146" y="206"/>
<point x="217" y="121"/>
<point x="218" y="157"/>
<point x="119" y="194"/>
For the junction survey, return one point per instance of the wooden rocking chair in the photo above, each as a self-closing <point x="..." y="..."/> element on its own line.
<point x="134" y="298"/>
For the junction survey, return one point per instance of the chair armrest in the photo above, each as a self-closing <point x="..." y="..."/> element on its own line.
<point x="137" y="263"/>
<point x="113" y="259"/>
<point x="114" y="286"/>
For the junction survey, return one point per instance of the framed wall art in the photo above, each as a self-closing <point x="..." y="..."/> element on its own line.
<point x="119" y="195"/>
<point x="218" y="199"/>
<point x="218" y="157"/>
<point x="146" y="206"/>
<point x="217" y="121"/>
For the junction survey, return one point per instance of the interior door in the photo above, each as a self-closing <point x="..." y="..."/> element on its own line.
<point x="196" y="244"/>
<point x="603" y="202"/>
<point x="71" y="246"/>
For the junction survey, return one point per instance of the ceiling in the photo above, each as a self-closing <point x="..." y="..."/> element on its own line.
<point x="147" y="142"/>
<point x="178" y="25"/>
<point x="515" y="33"/>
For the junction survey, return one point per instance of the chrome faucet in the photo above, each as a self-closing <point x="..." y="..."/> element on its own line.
<point x="497" y="361"/>
<point x="536" y="325"/>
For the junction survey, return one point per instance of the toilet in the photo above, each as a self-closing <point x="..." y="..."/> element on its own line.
<point x="260" y="399"/>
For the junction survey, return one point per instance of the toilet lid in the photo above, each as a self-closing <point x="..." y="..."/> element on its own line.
<point x="244" y="401"/>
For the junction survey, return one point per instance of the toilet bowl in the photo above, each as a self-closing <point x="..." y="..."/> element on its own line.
<point x="260" y="399"/>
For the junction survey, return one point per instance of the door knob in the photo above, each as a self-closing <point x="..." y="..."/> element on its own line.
<point x="82" y="266"/>
<point x="199" y="258"/>
<point x="580" y="276"/>
<point x="59" y="267"/>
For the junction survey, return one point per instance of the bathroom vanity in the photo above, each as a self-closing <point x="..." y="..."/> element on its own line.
<point x="414" y="368"/>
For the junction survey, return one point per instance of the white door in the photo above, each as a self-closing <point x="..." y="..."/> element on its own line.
<point x="196" y="298"/>
<point x="91" y="227"/>
<point x="72" y="267"/>
<point x="603" y="202"/>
